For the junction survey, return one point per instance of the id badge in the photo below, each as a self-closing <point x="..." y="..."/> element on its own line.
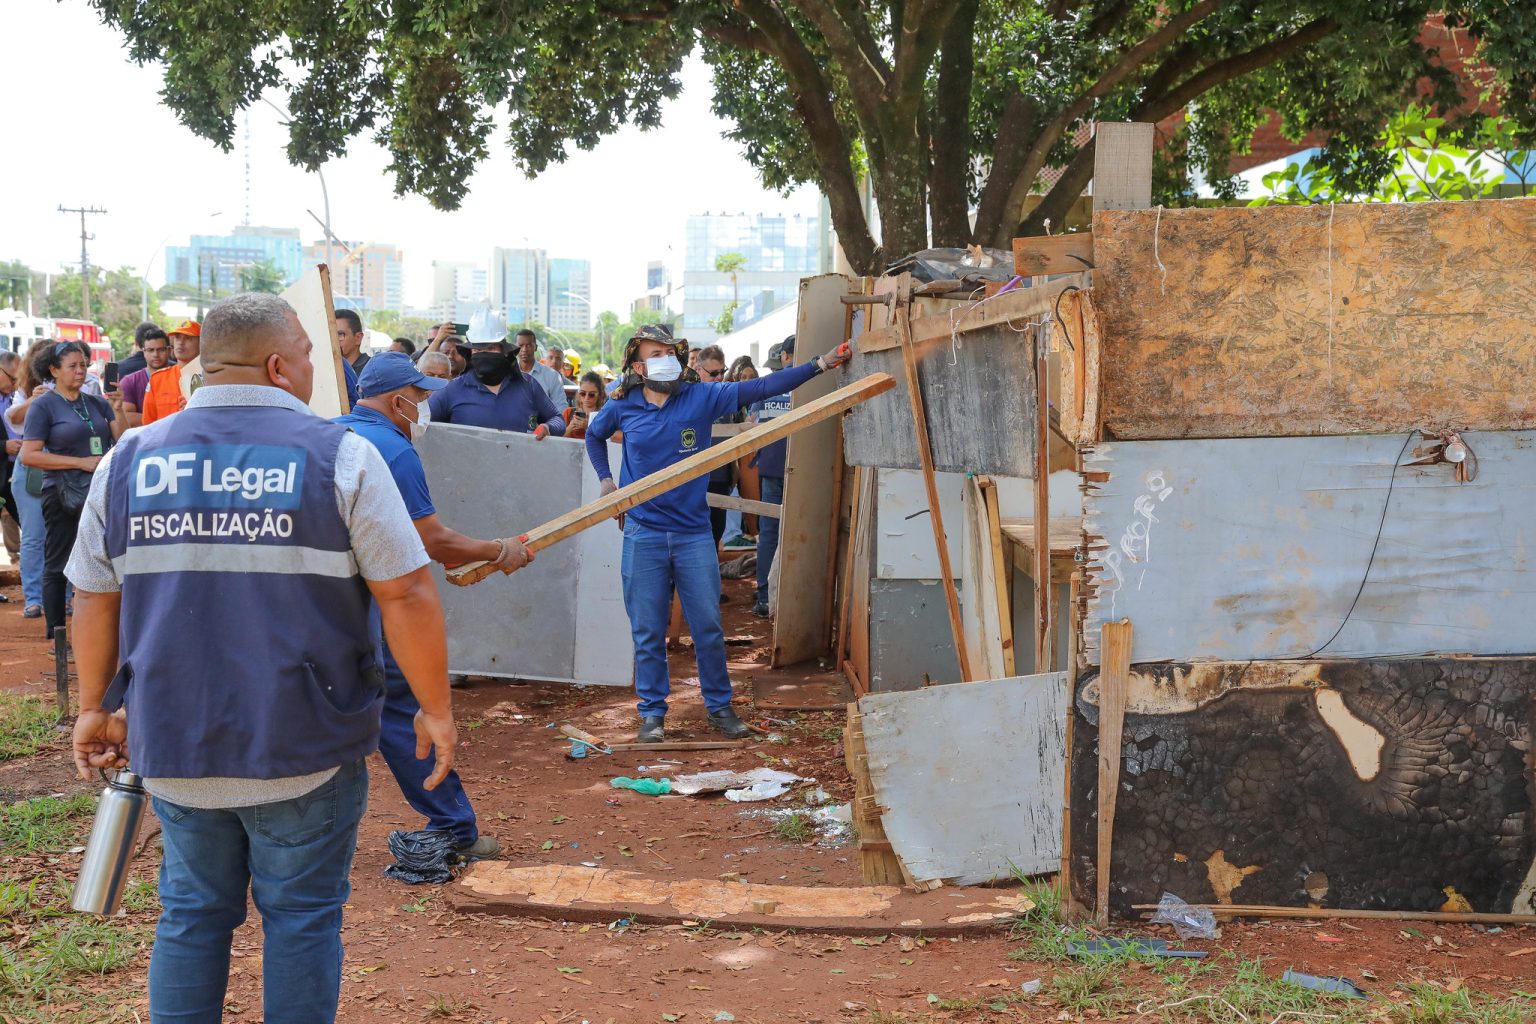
<point x="96" y="448"/>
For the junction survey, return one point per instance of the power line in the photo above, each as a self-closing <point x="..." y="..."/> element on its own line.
<point x="85" y="258"/>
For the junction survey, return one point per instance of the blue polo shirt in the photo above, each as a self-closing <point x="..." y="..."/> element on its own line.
<point x="770" y="458"/>
<point x="519" y="406"/>
<point x="656" y="437"/>
<point x="399" y="455"/>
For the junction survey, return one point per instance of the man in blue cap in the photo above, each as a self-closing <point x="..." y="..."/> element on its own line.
<point x="666" y="414"/>
<point x="392" y="413"/>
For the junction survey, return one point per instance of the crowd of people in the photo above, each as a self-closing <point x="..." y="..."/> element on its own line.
<point x="253" y="611"/>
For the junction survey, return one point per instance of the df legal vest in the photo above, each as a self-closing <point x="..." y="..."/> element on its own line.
<point x="245" y="646"/>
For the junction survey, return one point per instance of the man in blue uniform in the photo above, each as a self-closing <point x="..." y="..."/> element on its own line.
<point x="495" y="393"/>
<point x="770" y="473"/>
<point x="391" y="414"/>
<point x="666" y="415"/>
<point x="227" y="561"/>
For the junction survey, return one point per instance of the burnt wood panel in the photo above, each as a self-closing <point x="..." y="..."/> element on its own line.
<point x="1253" y="783"/>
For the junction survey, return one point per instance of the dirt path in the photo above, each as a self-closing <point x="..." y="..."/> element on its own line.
<point x="411" y="956"/>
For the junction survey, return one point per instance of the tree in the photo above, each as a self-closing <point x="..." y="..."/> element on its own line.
<point x="264" y="276"/>
<point x="943" y="105"/>
<point x="15" y="284"/>
<point x="115" y="296"/>
<point x="731" y="263"/>
<point x="1427" y="163"/>
<point x="397" y="325"/>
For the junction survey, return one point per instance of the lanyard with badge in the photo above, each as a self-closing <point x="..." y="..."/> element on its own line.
<point x="83" y="410"/>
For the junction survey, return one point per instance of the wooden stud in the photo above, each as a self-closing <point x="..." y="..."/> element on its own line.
<point x="835" y="529"/>
<point x="757" y="508"/>
<point x="1043" y="617"/>
<point x="694" y="466"/>
<point x="935" y="517"/>
<point x="1002" y="573"/>
<point x="1041" y="255"/>
<point x="1114" y="680"/>
<point x="845" y="610"/>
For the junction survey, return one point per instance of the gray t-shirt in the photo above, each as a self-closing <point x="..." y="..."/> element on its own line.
<point x="552" y="383"/>
<point x="384" y="542"/>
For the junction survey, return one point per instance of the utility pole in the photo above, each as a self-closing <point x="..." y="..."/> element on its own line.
<point x="85" y="259"/>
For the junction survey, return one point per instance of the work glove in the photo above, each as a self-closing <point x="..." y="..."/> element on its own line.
<point x="837" y="357"/>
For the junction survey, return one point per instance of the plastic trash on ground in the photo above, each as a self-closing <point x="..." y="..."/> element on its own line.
<point x="1332" y="985"/>
<point x="721" y="781"/>
<point x="1188" y="922"/>
<point x="767" y="789"/>
<point x="649" y="787"/>
<point x="425" y="856"/>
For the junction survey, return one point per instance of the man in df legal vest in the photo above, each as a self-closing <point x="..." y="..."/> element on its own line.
<point x="222" y="577"/>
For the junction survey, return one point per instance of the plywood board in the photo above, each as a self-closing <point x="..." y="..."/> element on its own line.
<point x="561" y="618"/>
<point x="968" y="777"/>
<point x="978" y="401"/>
<point x="802" y="623"/>
<point x="1360" y="784"/>
<point x="310" y="297"/>
<point x="1297" y="320"/>
<point x="903" y="541"/>
<point x="1262" y="548"/>
<point x="1039" y="255"/>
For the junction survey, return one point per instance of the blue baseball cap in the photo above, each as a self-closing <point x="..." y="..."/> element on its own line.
<point x="391" y="371"/>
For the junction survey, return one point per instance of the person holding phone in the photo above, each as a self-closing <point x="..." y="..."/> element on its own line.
<point x="157" y="356"/>
<point x="67" y="432"/>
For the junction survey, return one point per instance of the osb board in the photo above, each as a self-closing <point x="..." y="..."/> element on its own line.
<point x="801" y="626"/>
<point x="1316" y="320"/>
<point x="1302" y="547"/>
<point x="1360" y="784"/>
<point x="969" y="776"/>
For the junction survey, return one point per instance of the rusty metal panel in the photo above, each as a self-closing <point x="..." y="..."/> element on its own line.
<point x="1300" y="547"/>
<point x="1316" y="320"/>
<point x="1367" y="784"/>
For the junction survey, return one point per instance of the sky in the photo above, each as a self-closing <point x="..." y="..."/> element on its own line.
<point x="111" y="143"/>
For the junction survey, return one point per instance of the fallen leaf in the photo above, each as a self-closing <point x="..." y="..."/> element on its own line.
<point x="671" y="1017"/>
<point x="557" y="819"/>
<point x="549" y="844"/>
<point x="1325" y="937"/>
<point x="538" y="949"/>
<point x="995" y="983"/>
<point x="1522" y="952"/>
<point x="569" y="970"/>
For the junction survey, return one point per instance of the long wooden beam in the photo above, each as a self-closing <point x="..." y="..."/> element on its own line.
<point x="1016" y="307"/>
<point x="747" y="505"/>
<point x="694" y="466"/>
<point x="1114" y="679"/>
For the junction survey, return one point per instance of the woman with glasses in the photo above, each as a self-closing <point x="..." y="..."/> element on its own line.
<point x="67" y="432"/>
<point x="590" y="397"/>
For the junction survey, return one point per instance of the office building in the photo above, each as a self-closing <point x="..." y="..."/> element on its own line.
<point x="458" y="289"/>
<point x="657" y="299"/>
<point x="533" y="288"/>
<point x="213" y="262"/>
<point x="778" y="252"/>
<point x="364" y="275"/>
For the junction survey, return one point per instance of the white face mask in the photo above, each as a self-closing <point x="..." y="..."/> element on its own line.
<point x="423" y="418"/>
<point x="663" y="368"/>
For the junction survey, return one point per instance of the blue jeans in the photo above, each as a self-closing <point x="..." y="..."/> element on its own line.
<point x="446" y="808"/>
<point x="295" y="856"/>
<point x="29" y="513"/>
<point x="655" y="564"/>
<point x="768" y="534"/>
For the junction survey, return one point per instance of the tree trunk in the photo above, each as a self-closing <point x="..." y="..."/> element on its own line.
<point x="1058" y="201"/>
<point x="950" y="131"/>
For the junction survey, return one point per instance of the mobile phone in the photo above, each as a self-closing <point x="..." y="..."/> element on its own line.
<point x="109" y="377"/>
<point x="461" y="329"/>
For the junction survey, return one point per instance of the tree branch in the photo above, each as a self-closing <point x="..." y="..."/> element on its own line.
<point x="830" y="146"/>
<point x="915" y="47"/>
<point x="731" y="33"/>
<point x="1236" y="66"/>
<point x="1117" y="73"/>
<point x="1007" y="161"/>
<point x="867" y="81"/>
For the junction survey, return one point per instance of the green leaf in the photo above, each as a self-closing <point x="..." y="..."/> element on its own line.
<point x="569" y="970"/>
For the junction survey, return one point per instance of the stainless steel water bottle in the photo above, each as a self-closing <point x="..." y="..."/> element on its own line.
<point x="114" y="835"/>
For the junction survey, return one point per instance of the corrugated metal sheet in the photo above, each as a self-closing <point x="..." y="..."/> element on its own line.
<point x="969" y="778"/>
<point x="1261" y="548"/>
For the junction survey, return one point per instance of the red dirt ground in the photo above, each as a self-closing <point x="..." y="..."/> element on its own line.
<point x="411" y="957"/>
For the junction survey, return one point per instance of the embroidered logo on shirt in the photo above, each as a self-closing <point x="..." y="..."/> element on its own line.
<point x="690" y="437"/>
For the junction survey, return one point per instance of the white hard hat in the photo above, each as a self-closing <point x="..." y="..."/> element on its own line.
<point x="485" y="327"/>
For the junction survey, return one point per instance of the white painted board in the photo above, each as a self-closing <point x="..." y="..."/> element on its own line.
<point x="561" y="618"/>
<point x="969" y="777"/>
<point x="904" y="547"/>
<point x="310" y="298"/>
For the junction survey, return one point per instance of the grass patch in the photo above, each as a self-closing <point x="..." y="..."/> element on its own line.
<point x="1429" y="1004"/>
<point x="795" y="828"/>
<point x="27" y="725"/>
<point x="1098" y="987"/>
<point x="45" y="823"/>
<point x="445" y="1007"/>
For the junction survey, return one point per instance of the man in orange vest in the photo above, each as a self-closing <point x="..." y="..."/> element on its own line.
<point x="164" y="396"/>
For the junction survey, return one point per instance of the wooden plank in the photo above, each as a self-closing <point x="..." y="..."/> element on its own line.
<point x="1122" y="165"/>
<point x="694" y="466"/>
<point x="757" y="508"/>
<point x="986" y="613"/>
<point x="1014" y="306"/>
<point x="1326" y="546"/>
<point x="727" y="429"/>
<point x="859" y="509"/>
<point x="935" y="516"/>
<point x="1340" y="914"/>
<point x="878" y="865"/>
<point x="1066" y="539"/>
<point x="1298" y="320"/>
<point x="834" y="537"/>
<point x="1038" y="255"/>
<point x="1113" y="681"/>
<point x="857" y="617"/>
<point x="1042" y="482"/>
<point x="807" y="524"/>
<point x="1001" y="579"/>
<point x="968" y="778"/>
